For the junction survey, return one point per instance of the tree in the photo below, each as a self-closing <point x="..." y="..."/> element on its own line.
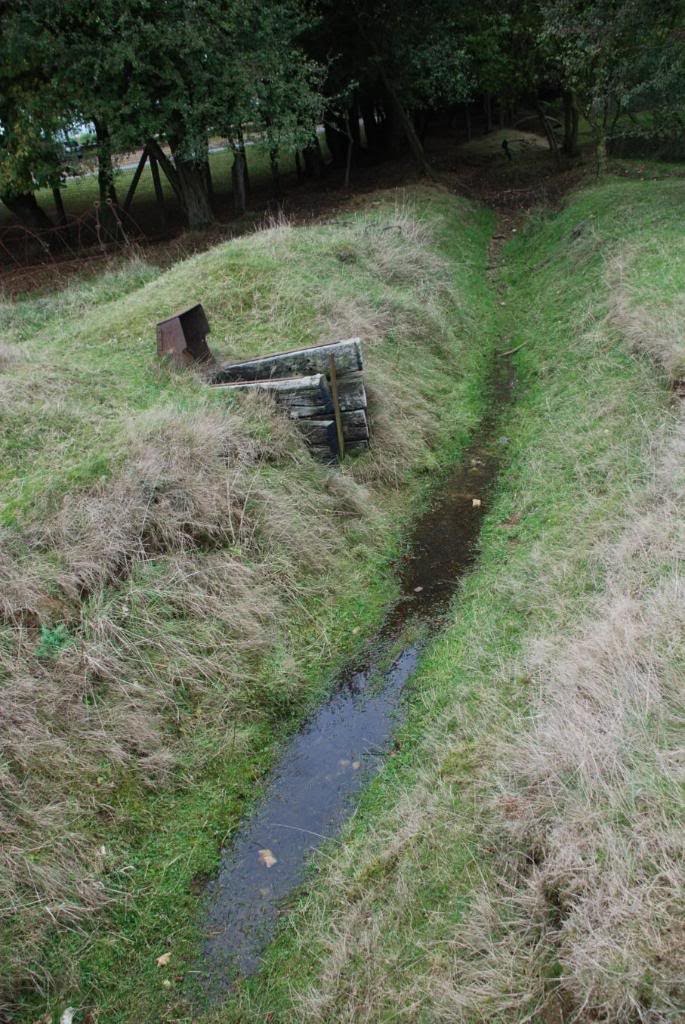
<point x="610" y="51"/>
<point x="400" y="57"/>
<point x="172" y="72"/>
<point x="31" y="112"/>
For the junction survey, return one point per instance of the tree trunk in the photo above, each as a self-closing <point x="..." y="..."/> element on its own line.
<point x="159" y="191"/>
<point x="241" y="144"/>
<point x="353" y="118"/>
<point x="601" y="152"/>
<point x="190" y="184"/>
<point x="409" y="129"/>
<point x="275" y="174"/>
<point x="337" y="144"/>
<point x="210" y="182"/>
<point x="372" y="130"/>
<point x="59" y="206"/>
<point x="105" y="168"/>
<point x="25" y="208"/>
<point x="238" y="180"/>
<point x="313" y="159"/>
<point x="467" y="114"/>
<point x="549" y="132"/>
<point x="570" y="145"/>
<point x="487" y="109"/>
<point x="348" y="162"/>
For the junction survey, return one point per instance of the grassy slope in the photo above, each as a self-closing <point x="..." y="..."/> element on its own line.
<point x="180" y="577"/>
<point x="519" y="856"/>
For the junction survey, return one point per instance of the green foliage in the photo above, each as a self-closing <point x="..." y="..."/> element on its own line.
<point x="615" y="55"/>
<point x="52" y="640"/>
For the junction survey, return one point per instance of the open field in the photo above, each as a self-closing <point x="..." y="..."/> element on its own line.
<point x="180" y="577"/>
<point x="520" y="857"/>
<point x="80" y="193"/>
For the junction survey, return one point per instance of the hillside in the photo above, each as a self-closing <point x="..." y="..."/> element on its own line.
<point x="180" y="577"/>
<point x="520" y="857"/>
<point x="181" y="582"/>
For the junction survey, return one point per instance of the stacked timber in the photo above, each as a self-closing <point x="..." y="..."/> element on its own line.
<point x="321" y="388"/>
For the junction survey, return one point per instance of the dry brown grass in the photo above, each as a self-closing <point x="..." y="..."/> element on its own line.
<point x="655" y="330"/>
<point x="163" y="586"/>
<point x="578" y="856"/>
<point x="586" y="818"/>
<point x="185" y="558"/>
<point x="559" y="826"/>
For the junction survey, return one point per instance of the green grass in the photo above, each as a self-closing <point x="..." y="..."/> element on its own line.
<point x="80" y="193"/>
<point x="389" y="928"/>
<point x="156" y="665"/>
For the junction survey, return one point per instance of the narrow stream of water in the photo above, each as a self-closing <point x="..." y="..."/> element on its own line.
<point x="311" y="791"/>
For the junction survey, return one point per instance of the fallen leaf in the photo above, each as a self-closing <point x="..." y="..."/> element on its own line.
<point x="417" y="590"/>
<point x="356" y="765"/>
<point x="267" y="858"/>
<point x="68" y="1015"/>
<point x="166" y="983"/>
<point x="476" y="503"/>
<point x="163" y="960"/>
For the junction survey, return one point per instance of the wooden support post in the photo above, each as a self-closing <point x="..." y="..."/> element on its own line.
<point x="136" y="178"/>
<point x="336" y="406"/>
<point x="159" y="192"/>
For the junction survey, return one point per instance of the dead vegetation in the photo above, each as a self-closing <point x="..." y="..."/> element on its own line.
<point x="656" y="331"/>
<point x="535" y="870"/>
<point x="137" y="611"/>
<point x="588" y="913"/>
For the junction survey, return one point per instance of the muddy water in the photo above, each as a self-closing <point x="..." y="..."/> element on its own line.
<point x="311" y="792"/>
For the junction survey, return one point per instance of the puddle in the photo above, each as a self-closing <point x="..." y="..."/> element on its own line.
<point x="311" y="791"/>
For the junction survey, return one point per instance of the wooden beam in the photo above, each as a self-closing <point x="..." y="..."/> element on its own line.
<point x="333" y="379"/>
<point x="136" y="178"/>
<point x="322" y="431"/>
<point x="159" y="191"/>
<point x="299" y="362"/>
<point x="306" y="396"/>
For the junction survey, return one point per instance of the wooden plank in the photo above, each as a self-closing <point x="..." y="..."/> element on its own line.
<point x="136" y="178"/>
<point x="299" y="362"/>
<point x="322" y="431"/>
<point x="324" y="452"/>
<point x="301" y="396"/>
<point x="306" y="396"/>
<point x="333" y="379"/>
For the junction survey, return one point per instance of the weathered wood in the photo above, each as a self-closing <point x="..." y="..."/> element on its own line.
<point x="159" y="191"/>
<point x="301" y="396"/>
<point x="295" y="363"/>
<point x="333" y="380"/>
<point x="322" y="431"/>
<point x="307" y="396"/>
<point x="325" y="453"/>
<point x="136" y="178"/>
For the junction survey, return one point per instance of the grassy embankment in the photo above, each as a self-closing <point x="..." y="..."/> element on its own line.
<point x="520" y="857"/>
<point x="180" y="577"/>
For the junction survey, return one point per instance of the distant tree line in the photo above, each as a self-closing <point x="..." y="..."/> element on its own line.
<point x="170" y="74"/>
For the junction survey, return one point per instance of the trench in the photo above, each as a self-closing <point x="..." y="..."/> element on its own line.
<point x="311" y="791"/>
